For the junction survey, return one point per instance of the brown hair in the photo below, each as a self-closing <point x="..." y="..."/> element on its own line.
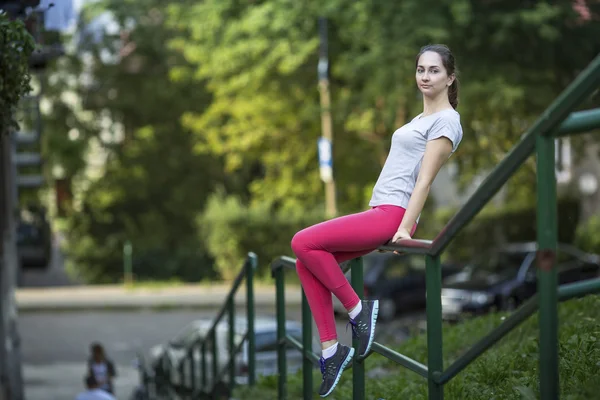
<point x="449" y="64"/>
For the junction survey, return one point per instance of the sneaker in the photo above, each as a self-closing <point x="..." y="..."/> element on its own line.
<point x="332" y="368"/>
<point x="363" y="326"/>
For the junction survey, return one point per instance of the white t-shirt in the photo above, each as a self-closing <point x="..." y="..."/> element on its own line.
<point x="401" y="169"/>
<point x="95" y="394"/>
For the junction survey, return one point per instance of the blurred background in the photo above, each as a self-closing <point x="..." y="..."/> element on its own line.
<point x="162" y="141"/>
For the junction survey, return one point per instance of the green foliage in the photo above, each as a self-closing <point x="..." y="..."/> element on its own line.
<point x="152" y="186"/>
<point x="16" y="45"/>
<point x="507" y="371"/>
<point x="223" y="93"/>
<point x="588" y="235"/>
<point x="231" y="229"/>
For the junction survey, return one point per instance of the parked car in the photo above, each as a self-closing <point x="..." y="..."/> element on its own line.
<point x="34" y="238"/>
<point x="506" y="277"/>
<point x="175" y="350"/>
<point x="397" y="281"/>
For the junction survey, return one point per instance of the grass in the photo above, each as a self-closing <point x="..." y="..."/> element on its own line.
<point x="509" y="370"/>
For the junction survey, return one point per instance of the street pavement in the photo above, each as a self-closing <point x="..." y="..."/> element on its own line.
<point x="55" y="345"/>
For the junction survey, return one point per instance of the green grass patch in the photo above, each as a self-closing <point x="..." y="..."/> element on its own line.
<point x="509" y="370"/>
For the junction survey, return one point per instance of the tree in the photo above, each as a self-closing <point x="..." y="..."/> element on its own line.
<point x="127" y="113"/>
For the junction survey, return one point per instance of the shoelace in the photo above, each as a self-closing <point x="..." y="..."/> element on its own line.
<point x="354" y="327"/>
<point x="324" y="367"/>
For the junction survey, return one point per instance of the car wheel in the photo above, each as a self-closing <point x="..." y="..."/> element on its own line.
<point x="387" y="309"/>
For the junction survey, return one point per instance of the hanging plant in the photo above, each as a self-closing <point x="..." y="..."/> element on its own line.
<point x="16" y="45"/>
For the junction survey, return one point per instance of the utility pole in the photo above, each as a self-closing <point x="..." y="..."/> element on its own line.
<point x="326" y="141"/>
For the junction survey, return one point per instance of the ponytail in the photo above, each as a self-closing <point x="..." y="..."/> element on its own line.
<point x="453" y="94"/>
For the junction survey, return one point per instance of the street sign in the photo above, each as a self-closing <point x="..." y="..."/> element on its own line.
<point x="325" y="159"/>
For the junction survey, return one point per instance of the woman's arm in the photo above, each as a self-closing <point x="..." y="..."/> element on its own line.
<point x="437" y="152"/>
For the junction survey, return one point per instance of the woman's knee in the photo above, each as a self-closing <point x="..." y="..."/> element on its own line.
<point x="298" y="242"/>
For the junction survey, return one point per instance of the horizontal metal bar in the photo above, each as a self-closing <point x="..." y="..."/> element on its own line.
<point x="30" y="181"/>
<point x="27" y="159"/>
<point x="412" y="246"/>
<point x="401" y="359"/>
<point x="579" y="122"/>
<point x="578" y="289"/>
<point x="490" y="339"/>
<point x="314" y="358"/>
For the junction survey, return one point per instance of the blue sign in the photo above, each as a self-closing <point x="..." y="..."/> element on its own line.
<point x="325" y="156"/>
<point x="325" y="159"/>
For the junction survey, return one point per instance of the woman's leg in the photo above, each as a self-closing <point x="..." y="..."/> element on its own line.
<point x="316" y="248"/>
<point x="319" y="297"/>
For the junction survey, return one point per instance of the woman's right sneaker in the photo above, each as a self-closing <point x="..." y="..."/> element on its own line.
<point x="332" y="368"/>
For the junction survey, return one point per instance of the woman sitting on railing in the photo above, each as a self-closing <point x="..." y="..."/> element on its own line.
<point x="418" y="151"/>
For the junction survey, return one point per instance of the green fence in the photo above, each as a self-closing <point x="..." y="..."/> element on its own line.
<point x="196" y="379"/>
<point x="557" y="120"/>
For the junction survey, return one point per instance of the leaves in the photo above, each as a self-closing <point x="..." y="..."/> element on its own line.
<point x="228" y="89"/>
<point x="16" y="45"/>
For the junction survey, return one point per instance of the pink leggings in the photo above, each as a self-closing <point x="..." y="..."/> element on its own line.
<point x="320" y="248"/>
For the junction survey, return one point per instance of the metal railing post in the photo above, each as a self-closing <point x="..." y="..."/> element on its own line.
<point x="546" y="259"/>
<point x="281" y="342"/>
<point x="193" y="383"/>
<point x="215" y="363"/>
<point x="250" y="266"/>
<point x="307" y="366"/>
<point x="231" y="342"/>
<point x="203" y="369"/>
<point x="358" y="365"/>
<point x="435" y="361"/>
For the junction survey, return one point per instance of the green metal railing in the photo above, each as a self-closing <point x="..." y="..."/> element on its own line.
<point x="193" y="369"/>
<point x="558" y="120"/>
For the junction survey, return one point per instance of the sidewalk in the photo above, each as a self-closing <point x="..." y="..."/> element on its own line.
<point x="108" y="297"/>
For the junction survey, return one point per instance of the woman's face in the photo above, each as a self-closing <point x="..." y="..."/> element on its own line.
<point x="432" y="78"/>
<point x="98" y="355"/>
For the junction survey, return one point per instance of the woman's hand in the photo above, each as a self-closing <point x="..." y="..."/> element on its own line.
<point x="402" y="233"/>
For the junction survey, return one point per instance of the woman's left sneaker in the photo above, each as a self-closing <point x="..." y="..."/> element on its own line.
<point x="363" y="326"/>
<point x="332" y="368"/>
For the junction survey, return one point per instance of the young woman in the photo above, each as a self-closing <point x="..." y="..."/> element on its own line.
<point x="101" y="368"/>
<point x="418" y="151"/>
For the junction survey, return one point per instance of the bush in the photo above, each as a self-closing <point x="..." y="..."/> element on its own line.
<point x="509" y="370"/>
<point x="231" y="229"/>
<point x="588" y="235"/>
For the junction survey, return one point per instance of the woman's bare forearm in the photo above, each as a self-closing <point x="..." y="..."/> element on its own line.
<point x="415" y="206"/>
